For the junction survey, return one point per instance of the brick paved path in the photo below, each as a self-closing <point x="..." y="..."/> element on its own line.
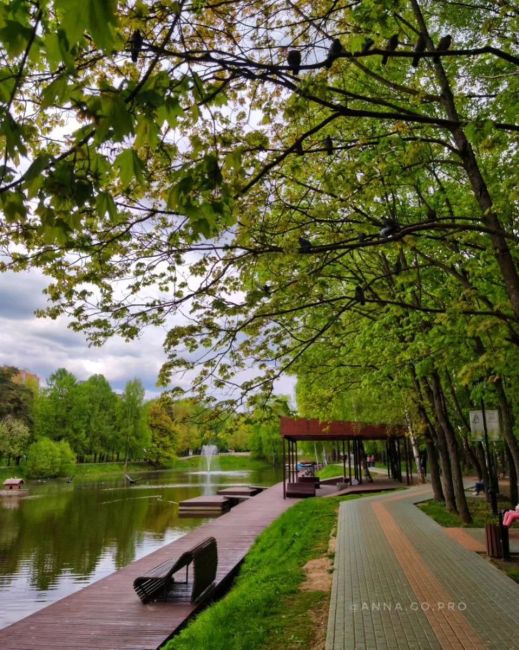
<point x="401" y="582"/>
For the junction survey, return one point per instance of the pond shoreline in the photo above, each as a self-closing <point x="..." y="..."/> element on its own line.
<point x="65" y="536"/>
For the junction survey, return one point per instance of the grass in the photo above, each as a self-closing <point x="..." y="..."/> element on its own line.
<point x="97" y="471"/>
<point x="10" y="472"/>
<point x="223" y="461"/>
<point x="331" y="470"/>
<point x="265" y="608"/>
<point x="478" y="506"/>
<point x="510" y="567"/>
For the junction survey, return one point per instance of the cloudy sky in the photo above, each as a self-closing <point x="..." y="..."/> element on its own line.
<point x="44" y="345"/>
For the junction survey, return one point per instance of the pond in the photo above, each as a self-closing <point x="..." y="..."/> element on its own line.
<point x="63" y="537"/>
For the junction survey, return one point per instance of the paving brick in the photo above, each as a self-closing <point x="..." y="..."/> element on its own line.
<point x="400" y="582"/>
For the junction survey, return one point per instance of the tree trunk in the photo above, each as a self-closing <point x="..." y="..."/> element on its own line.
<point x="434" y="468"/>
<point x="482" y="196"/>
<point x="438" y="436"/>
<point x="514" y="493"/>
<point x="507" y="421"/>
<point x="452" y="446"/>
<point x="414" y="447"/>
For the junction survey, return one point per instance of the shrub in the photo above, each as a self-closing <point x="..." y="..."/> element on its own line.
<point x="48" y="459"/>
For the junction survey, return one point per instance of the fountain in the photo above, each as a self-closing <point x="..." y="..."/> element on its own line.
<point x="209" y="452"/>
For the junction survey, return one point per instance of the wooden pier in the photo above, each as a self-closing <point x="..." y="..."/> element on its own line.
<point x="108" y="615"/>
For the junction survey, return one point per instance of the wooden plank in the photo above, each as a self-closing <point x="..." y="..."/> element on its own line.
<point x="108" y="615"/>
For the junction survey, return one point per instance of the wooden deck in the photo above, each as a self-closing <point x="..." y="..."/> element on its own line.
<point x="108" y="615"/>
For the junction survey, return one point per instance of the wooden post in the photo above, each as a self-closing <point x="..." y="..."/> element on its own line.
<point x="284" y="472"/>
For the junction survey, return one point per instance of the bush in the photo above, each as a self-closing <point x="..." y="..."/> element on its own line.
<point x="48" y="459"/>
<point x="67" y="463"/>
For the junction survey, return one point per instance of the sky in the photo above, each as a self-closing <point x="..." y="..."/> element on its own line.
<point x="42" y="345"/>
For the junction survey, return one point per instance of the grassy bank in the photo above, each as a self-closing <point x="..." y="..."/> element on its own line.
<point x="266" y="608"/>
<point x="99" y="471"/>
<point x="478" y="506"/>
<point x="224" y="462"/>
<point x="331" y="470"/>
<point x="10" y="472"/>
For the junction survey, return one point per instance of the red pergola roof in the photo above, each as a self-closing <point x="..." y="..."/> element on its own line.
<point x="312" y="429"/>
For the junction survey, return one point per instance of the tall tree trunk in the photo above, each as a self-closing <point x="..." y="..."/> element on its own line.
<point x="514" y="492"/>
<point x="469" y="449"/>
<point x="507" y="422"/>
<point x="414" y="447"/>
<point x="434" y="468"/>
<point x="438" y="436"/>
<point x="452" y="446"/>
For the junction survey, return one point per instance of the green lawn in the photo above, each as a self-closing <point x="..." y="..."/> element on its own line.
<point x="96" y="471"/>
<point x="265" y="608"/>
<point x="222" y="461"/>
<point x="331" y="470"/>
<point x="478" y="506"/>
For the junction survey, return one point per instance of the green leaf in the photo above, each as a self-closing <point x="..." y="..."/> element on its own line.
<point x="15" y="37"/>
<point x="7" y="84"/>
<point x="13" y="206"/>
<point x="170" y="112"/>
<point x="32" y="177"/>
<point x="73" y="18"/>
<point x="147" y="133"/>
<point x="130" y="167"/>
<point x="106" y="205"/>
<point x="102" y="21"/>
<point x="57" y="91"/>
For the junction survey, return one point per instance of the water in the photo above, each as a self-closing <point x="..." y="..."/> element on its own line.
<point x="65" y="536"/>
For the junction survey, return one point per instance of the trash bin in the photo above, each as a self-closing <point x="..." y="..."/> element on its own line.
<point x="494" y="544"/>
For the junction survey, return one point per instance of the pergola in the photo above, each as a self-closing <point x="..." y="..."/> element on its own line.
<point x="350" y="435"/>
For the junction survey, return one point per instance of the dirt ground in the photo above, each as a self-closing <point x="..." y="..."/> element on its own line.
<point x="319" y="578"/>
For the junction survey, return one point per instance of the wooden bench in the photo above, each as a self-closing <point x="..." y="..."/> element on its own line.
<point x="160" y="584"/>
<point x="310" y="479"/>
<point x="300" y="490"/>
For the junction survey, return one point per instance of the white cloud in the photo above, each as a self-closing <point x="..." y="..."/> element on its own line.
<point x="44" y="345"/>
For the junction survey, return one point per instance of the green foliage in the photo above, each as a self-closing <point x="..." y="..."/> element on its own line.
<point x="162" y="447"/>
<point x="479" y="508"/>
<point x="253" y="611"/>
<point x="67" y="459"/>
<point x="265" y="439"/>
<point x="14" y="437"/>
<point x="48" y="459"/>
<point x="16" y="397"/>
<point x="361" y="235"/>
<point x="131" y="418"/>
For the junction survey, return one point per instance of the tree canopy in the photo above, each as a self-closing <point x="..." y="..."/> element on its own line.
<point x="283" y="185"/>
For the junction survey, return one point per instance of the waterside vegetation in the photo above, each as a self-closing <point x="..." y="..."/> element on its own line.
<point x="266" y="607"/>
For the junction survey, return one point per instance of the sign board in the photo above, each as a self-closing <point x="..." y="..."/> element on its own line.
<point x="477" y="426"/>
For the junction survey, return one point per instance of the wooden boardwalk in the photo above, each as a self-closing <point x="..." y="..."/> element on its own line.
<point x="108" y="615"/>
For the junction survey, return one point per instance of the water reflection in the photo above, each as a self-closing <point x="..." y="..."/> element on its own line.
<point x="65" y="536"/>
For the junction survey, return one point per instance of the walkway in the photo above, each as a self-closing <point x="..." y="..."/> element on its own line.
<point x="401" y="582"/>
<point x="107" y="615"/>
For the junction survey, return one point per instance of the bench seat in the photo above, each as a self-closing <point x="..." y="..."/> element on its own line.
<point x="161" y="584"/>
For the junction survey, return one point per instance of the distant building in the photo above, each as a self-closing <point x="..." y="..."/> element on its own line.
<point x="27" y="378"/>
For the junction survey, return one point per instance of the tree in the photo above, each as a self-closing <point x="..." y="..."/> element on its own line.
<point x="132" y="425"/>
<point x="97" y="403"/>
<point x="373" y="185"/>
<point x="60" y="413"/>
<point x="14" y="438"/>
<point x="162" y="428"/>
<point x="49" y="459"/>
<point x="15" y="396"/>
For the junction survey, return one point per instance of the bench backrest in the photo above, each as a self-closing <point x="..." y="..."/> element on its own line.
<point x="205" y="562"/>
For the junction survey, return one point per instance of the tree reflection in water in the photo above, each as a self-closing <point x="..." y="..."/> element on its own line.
<point x="63" y="537"/>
